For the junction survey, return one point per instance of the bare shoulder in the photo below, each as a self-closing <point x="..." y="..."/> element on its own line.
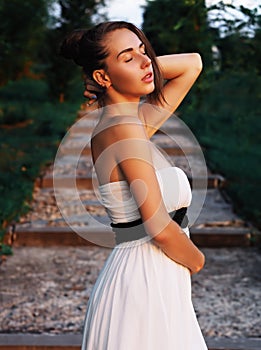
<point x="118" y="135"/>
<point x="121" y="127"/>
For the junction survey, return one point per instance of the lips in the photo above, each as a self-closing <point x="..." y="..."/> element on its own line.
<point x="148" y="78"/>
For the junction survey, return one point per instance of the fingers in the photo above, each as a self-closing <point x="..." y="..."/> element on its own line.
<point x="91" y="97"/>
<point x="91" y="85"/>
<point x="91" y="88"/>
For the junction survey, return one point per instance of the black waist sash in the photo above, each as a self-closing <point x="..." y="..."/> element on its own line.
<point x="130" y="231"/>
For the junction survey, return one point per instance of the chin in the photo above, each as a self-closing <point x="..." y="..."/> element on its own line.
<point x="148" y="90"/>
<point x="151" y="89"/>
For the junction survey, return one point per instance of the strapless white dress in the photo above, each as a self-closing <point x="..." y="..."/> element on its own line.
<point x="142" y="298"/>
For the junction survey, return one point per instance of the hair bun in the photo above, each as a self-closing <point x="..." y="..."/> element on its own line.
<point x="71" y="46"/>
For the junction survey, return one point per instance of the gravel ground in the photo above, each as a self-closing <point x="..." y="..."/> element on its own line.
<point x="45" y="290"/>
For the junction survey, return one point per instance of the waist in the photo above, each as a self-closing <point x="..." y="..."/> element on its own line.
<point x="133" y="230"/>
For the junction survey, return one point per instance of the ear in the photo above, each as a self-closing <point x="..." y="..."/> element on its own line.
<point x="101" y="78"/>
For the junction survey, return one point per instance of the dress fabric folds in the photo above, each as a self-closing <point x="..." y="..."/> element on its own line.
<point x="141" y="301"/>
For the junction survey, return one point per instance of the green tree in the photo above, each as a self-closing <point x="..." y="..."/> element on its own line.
<point x="73" y="14"/>
<point x="175" y="26"/>
<point x="257" y="44"/>
<point x="238" y="36"/>
<point x="22" y="26"/>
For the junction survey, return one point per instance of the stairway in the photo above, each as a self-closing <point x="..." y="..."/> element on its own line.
<point x="85" y="223"/>
<point x="72" y="342"/>
<point x="84" y="220"/>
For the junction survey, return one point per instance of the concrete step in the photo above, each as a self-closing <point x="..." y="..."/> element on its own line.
<point x="212" y="220"/>
<point x="73" y="342"/>
<point x="85" y="181"/>
<point x="63" y="236"/>
<point x="215" y="236"/>
<point x="169" y="150"/>
<point x="178" y="144"/>
<point x="208" y="230"/>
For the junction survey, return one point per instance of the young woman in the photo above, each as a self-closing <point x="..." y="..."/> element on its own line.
<point x="142" y="298"/>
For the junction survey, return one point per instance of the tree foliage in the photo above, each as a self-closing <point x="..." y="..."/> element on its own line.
<point x="175" y="26"/>
<point x="22" y="27"/>
<point x="73" y="14"/>
<point x="238" y="36"/>
<point x="30" y="34"/>
<point x="223" y="107"/>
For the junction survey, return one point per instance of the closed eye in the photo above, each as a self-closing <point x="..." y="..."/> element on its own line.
<point x="127" y="52"/>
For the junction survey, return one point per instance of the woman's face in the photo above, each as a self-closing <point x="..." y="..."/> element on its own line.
<point x="129" y="68"/>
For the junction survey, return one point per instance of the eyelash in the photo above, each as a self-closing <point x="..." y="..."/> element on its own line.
<point x="130" y="59"/>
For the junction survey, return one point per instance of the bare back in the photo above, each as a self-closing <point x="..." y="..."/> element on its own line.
<point x="105" y="145"/>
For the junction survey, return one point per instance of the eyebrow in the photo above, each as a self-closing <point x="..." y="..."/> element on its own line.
<point x="129" y="49"/>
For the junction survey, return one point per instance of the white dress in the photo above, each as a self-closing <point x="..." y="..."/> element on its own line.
<point x="142" y="298"/>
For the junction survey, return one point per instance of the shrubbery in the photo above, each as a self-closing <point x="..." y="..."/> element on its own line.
<point x="223" y="113"/>
<point x="26" y="147"/>
<point x="227" y="123"/>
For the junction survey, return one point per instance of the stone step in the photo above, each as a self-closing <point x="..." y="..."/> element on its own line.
<point x="87" y="128"/>
<point x="85" y="182"/>
<point x="67" y="150"/>
<point x="206" y="207"/>
<point x="169" y="150"/>
<point x="63" y="236"/>
<point x="171" y="143"/>
<point x="66" y="181"/>
<point x="212" y="220"/>
<point x="51" y="229"/>
<point x="214" y="236"/>
<point x="73" y="342"/>
<point x="67" y="167"/>
<point x="217" y="236"/>
<point x="86" y="125"/>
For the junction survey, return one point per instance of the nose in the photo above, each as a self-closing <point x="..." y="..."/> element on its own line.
<point x="146" y="61"/>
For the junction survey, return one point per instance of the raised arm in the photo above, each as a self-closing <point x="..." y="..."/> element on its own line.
<point x="134" y="159"/>
<point x="180" y="71"/>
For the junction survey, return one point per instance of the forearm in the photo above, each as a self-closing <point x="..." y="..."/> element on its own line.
<point x="176" y="65"/>
<point x="178" y="246"/>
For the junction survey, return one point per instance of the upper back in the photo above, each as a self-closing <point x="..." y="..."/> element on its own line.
<point x="108" y="139"/>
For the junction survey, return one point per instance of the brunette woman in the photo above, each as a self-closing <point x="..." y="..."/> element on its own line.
<point x="142" y="298"/>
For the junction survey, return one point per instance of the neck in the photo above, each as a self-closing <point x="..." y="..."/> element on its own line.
<point x="122" y="108"/>
<point x="118" y="104"/>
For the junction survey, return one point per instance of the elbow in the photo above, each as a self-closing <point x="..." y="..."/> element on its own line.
<point x="198" y="64"/>
<point x="199" y="263"/>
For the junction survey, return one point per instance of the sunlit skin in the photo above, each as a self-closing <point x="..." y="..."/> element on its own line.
<point x="130" y="74"/>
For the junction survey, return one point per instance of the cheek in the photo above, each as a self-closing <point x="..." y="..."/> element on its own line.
<point x="121" y="76"/>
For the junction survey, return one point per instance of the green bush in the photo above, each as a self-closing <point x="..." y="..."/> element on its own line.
<point x="26" y="149"/>
<point x="227" y="123"/>
<point x="11" y="114"/>
<point x="24" y="90"/>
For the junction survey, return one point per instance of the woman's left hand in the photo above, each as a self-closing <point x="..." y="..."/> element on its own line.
<point x="91" y="90"/>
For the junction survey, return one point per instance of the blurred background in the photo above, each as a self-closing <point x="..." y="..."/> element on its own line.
<point x="40" y="92"/>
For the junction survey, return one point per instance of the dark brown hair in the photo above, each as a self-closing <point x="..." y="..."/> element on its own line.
<point x="87" y="47"/>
